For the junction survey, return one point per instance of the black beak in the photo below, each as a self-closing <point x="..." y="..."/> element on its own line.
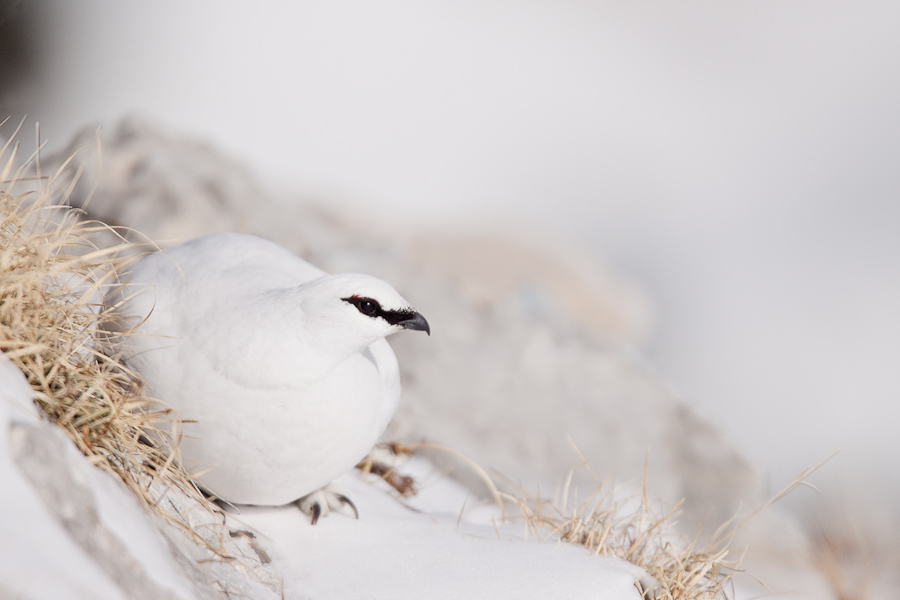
<point x="417" y="322"/>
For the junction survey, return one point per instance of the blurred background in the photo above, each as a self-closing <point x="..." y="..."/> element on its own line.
<point x="740" y="161"/>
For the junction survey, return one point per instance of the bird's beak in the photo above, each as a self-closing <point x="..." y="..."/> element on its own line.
<point x="416" y="322"/>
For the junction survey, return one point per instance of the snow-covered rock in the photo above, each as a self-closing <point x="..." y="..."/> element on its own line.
<point x="69" y="531"/>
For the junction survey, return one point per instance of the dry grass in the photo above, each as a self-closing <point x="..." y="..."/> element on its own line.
<point x="606" y="523"/>
<point x="52" y="279"/>
<point x="53" y="276"/>
<point x="632" y="529"/>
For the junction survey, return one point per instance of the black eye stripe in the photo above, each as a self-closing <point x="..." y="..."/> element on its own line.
<point x="396" y="316"/>
<point x="391" y="316"/>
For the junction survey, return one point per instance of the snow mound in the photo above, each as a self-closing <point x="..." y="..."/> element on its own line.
<point x="71" y="531"/>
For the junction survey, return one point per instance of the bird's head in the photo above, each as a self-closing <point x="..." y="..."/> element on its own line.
<point x="359" y="306"/>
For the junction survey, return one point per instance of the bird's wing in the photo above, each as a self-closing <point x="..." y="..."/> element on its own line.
<point x="203" y="296"/>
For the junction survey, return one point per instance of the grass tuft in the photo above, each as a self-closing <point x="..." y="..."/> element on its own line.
<point x="53" y="276"/>
<point x="632" y="529"/>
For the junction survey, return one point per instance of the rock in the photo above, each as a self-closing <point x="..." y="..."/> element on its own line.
<point x="166" y="188"/>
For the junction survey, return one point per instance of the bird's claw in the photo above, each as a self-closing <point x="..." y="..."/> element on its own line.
<point x="321" y="502"/>
<point x="347" y="502"/>
<point x="314" y="512"/>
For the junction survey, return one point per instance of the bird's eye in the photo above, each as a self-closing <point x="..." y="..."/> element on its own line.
<point x="367" y="307"/>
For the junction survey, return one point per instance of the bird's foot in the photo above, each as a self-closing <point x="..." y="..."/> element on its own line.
<point x="321" y="502"/>
<point x="404" y="484"/>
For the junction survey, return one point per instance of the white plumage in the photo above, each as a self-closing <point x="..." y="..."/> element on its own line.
<point x="280" y="372"/>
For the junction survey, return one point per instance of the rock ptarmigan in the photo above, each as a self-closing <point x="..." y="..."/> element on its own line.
<point x="281" y="374"/>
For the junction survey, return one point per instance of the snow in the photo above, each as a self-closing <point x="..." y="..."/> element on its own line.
<point x="120" y="512"/>
<point x="399" y="551"/>
<point x="442" y="543"/>
<point x="37" y="558"/>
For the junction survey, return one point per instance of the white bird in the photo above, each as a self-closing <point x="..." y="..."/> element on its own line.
<point x="280" y="373"/>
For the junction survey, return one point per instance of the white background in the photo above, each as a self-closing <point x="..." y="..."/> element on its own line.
<point x="741" y="160"/>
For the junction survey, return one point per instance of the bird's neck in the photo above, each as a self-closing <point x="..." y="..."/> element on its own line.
<point x="315" y="341"/>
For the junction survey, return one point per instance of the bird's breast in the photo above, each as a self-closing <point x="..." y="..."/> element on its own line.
<point x="264" y="446"/>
